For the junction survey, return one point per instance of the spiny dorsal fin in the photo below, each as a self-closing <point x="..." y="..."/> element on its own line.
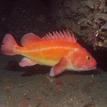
<point x="29" y="38"/>
<point x="62" y="35"/>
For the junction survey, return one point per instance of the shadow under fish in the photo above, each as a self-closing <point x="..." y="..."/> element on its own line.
<point x="13" y="65"/>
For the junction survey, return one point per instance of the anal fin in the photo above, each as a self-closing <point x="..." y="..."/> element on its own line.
<point x="26" y="62"/>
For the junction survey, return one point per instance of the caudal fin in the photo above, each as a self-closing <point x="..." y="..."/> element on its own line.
<point x="8" y="45"/>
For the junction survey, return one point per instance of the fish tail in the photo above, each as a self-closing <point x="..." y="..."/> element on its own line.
<point x="9" y="45"/>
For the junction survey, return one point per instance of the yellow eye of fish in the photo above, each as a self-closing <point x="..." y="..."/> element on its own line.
<point x="88" y="57"/>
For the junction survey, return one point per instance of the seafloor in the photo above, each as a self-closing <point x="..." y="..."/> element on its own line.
<point x="18" y="88"/>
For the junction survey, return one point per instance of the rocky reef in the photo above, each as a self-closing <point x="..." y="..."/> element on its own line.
<point x="88" y="18"/>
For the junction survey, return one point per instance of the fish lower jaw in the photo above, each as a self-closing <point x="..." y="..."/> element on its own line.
<point x="85" y="69"/>
<point x="71" y="67"/>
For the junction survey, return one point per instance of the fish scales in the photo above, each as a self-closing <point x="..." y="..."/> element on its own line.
<point x="58" y="49"/>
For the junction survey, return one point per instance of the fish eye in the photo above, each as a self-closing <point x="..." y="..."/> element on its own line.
<point x="88" y="57"/>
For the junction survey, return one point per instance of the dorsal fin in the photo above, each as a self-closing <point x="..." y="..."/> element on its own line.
<point x="29" y="38"/>
<point x="62" y="35"/>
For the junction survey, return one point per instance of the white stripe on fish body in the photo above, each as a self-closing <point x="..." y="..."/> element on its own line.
<point x="45" y="49"/>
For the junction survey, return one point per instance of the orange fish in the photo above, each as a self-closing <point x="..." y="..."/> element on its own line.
<point x="58" y="49"/>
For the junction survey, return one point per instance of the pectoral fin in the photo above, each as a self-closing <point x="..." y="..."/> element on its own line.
<point x="26" y="62"/>
<point x="58" y="68"/>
